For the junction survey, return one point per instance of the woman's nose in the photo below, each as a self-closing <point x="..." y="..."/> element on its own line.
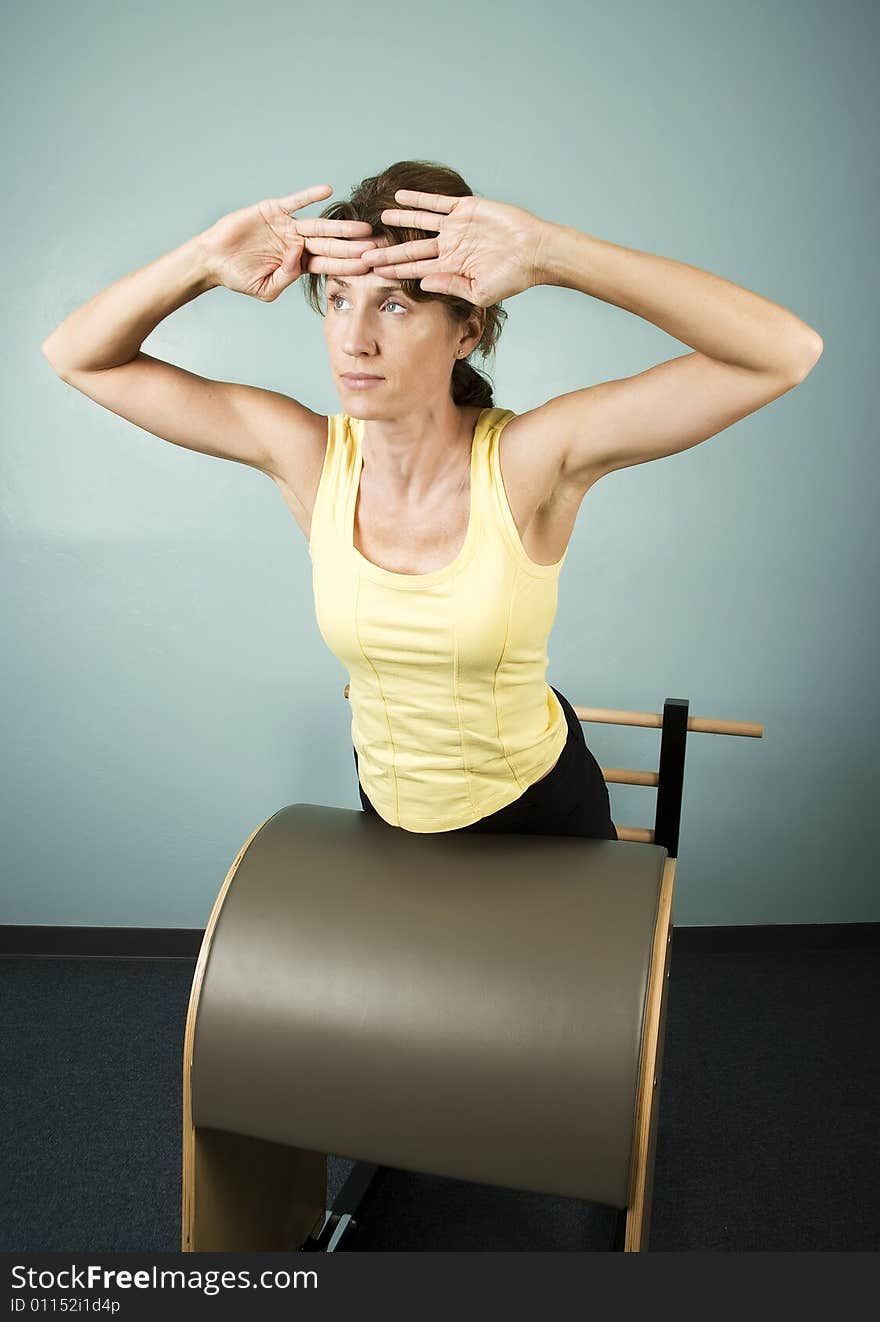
<point x="358" y="338"/>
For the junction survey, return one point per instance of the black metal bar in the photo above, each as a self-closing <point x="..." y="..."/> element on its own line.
<point x="670" y="778"/>
<point x="341" y="1220"/>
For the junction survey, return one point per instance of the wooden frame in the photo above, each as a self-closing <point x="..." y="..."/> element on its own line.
<point x="241" y="1193"/>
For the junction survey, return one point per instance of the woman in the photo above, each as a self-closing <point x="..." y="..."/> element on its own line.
<point x="424" y="588"/>
<point x="436" y="549"/>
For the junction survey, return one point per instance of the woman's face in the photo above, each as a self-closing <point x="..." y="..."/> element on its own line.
<point x="378" y="331"/>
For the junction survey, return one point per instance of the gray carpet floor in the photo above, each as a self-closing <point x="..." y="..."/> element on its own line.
<point x="767" y="1140"/>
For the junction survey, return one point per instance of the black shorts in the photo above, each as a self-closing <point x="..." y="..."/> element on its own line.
<point x="571" y="800"/>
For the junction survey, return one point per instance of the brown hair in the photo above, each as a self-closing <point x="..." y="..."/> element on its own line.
<point x="368" y="200"/>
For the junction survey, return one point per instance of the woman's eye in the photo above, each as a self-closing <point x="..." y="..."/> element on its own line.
<point x="334" y="298"/>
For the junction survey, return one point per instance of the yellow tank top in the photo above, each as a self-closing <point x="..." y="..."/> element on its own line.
<point x="452" y="716"/>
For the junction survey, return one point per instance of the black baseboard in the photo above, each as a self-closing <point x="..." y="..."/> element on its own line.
<point x="185" y="942"/>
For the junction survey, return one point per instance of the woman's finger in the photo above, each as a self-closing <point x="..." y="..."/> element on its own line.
<point x="434" y="201"/>
<point x="304" y="196"/>
<point x="330" y="247"/>
<point x="405" y="252"/>
<point x="414" y="220"/>
<point x="407" y="270"/>
<point x="317" y="264"/>
<point x="321" y="225"/>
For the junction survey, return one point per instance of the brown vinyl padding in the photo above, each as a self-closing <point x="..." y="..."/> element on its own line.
<point x="468" y="1006"/>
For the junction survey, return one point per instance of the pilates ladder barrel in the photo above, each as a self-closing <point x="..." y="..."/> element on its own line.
<point x="245" y="1193"/>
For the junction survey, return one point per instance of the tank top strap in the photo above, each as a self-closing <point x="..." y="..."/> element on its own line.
<point x="486" y="474"/>
<point x="493" y="495"/>
<point x="335" y="484"/>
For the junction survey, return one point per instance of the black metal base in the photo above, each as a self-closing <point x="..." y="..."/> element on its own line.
<point x="336" y="1229"/>
<point x="341" y="1220"/>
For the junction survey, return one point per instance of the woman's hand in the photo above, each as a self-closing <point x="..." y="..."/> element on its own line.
<point x="262" y="249"/>
<point x="484" y="251"/>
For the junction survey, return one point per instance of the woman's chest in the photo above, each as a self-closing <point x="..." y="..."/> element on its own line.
<point x="419" y="540"/>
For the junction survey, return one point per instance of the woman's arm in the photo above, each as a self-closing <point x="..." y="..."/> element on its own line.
<point x="717" y="318"/>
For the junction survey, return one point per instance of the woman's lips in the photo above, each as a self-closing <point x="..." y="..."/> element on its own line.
<point x="361" y="382"/>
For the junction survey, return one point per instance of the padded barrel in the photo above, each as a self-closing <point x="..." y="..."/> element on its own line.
<point x="467" y="1006"/>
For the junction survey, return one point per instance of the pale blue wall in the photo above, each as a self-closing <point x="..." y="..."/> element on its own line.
<point x="166" y="687"/>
